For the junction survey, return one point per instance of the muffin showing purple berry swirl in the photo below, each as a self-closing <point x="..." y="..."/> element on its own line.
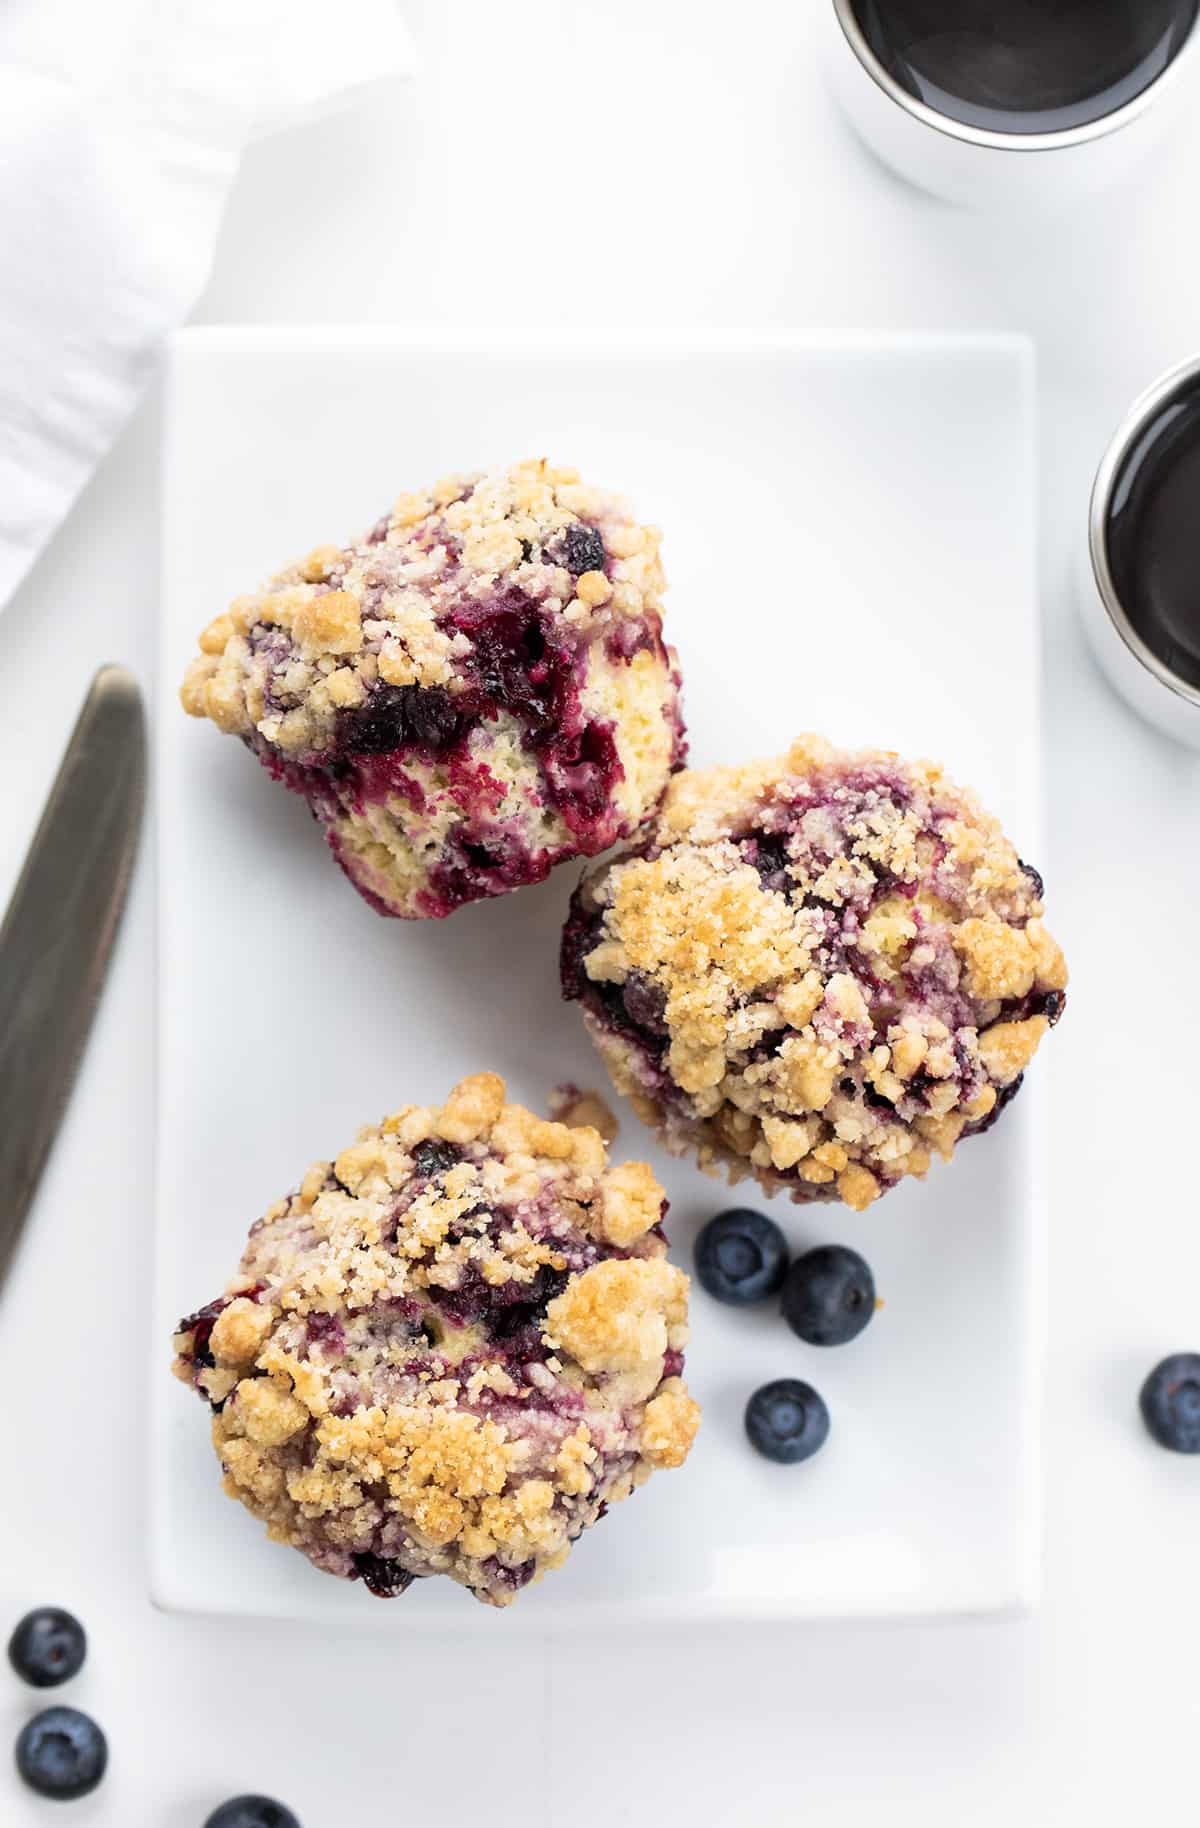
<point x="817" y="970"/>
<point x="450" y="1351"/>
<point x="476" y="691"/>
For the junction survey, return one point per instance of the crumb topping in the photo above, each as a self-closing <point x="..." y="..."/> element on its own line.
<point x="815" y="966"/>
<point x="385" y="606"/>
<point x="450" y="1349"/>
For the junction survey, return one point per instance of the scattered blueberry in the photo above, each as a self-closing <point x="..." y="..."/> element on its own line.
<point x="1171" y="1403"/>
<point x="741" y="1256"/>
<point x="61" y="1753"/>
<point x="829" y="1295"/>
<point x="582" y="549"/>
<point x="251" y="1812"/>
<point x="47" y="1647"/>
<point x="787" y="1421"/>
<point x="1052" y="1006"/>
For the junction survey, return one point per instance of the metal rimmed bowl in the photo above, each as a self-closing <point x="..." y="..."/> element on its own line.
<point x="1135" y="671"/>
<point x="965" y="163"/>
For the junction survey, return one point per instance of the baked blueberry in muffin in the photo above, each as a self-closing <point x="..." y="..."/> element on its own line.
<point x="818" y="970"/>
<point x="474" y="692"/>
<point x="450" y="1351"/>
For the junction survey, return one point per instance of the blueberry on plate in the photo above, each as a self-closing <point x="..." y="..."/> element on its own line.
<point x="829" y="1295"/>
<point x="1171" y="1403"/>
<point x="787" y="1421"/>
<point x="61" y="1753"/>
<point x="47" y="1647"/>
<point x="251" y="1812"/>
<point x="741" y="1256"/>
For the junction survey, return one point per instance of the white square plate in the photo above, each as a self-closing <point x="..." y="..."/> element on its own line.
<point x="849" y="541"/>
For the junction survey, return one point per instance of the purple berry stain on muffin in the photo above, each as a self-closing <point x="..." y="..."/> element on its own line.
<point x="820" y="970"/>
<point x="450" y="1351"/>
<point x="475" y="692"/>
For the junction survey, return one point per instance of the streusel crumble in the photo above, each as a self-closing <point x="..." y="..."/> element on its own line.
<point x="474" y="692"/>
<point x="450" y="1351"/>
<point x="819" y="970"/>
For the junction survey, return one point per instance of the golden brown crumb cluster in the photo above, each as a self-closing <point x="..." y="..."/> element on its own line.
<point x="820" y="969"/>
<point x="449" y="1349"/>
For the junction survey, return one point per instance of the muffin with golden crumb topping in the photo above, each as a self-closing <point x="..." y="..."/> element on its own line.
<point x="819" y="970"/>
<point x="476" y="691"/>
<point x="450" y="1351"/>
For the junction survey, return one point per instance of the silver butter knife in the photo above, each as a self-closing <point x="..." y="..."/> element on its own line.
<point x="59" y="930"/>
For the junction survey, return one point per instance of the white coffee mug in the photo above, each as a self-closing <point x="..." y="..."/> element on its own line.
<point x="1157" y="693"/>
<point x="966" y="164"/>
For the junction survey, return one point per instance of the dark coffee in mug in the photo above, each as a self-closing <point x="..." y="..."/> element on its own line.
<point x="1153" y="533"/>
<point x="1025" y="66"/>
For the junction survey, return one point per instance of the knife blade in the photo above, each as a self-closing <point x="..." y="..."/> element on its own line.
<point x="59" y="929"/>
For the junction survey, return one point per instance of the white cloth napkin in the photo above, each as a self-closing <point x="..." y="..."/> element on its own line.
<point x="122" y="123"/>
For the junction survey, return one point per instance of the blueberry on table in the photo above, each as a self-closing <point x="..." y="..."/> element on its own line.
<point x="787" y="1421"/>
<point x="61" y="1753"/>
<point x="829" y="1295"/>
<point x="741" y="1256"/>
<point x="251" y="1812"/>
<point x="47" y="1647"/>
<point x="1171" y="1403"/>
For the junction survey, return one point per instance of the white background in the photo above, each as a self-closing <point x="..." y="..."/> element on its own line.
<point x="653" y="164"/>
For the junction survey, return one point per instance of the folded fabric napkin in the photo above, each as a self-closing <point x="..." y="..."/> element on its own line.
<point x="122" y="123"/>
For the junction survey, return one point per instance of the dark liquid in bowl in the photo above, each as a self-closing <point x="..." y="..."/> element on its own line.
<point x="1025" y="66"/>
<point x="1153" y="535"/>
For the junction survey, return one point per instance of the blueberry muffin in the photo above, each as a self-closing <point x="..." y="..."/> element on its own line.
<point x="818" y="970"/>
<point x="450" y="1351"/>
<point x="471" y="694"/>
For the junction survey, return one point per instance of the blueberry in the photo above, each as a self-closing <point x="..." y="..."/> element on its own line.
<point x="431" y="716"/>
<point x="396" y="716"/>
<point x="382" y="1576"/>
<point x="741" y="1256"/>
<point x="251" y="1812"/>
<point x="582" y="549"/>
<point x="829" y="1295"/>
<point x="1171" y="1403"/>
<point x="379" y="725"/>
<point x="47" y="1647"/>
<point x="61" y="1753"/>
<point x="787" y="1421"/>
<point x="435" y="1157"/>
<point x="1035" y="878"/>
<point x="644" y="1003"/>
<point x="770" y="859"/>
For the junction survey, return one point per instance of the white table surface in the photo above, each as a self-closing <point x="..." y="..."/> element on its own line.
<point x="658" y="164"/>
